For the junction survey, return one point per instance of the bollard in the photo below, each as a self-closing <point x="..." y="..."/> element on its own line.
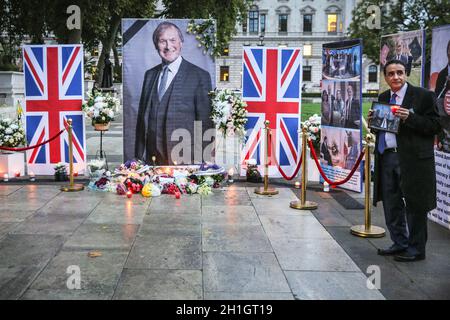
<point x="266" y="190"/>
<point x="71" y="187"/>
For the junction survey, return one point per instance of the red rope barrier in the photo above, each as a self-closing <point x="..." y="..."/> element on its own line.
<point x="32" y="147"/>
<point x="285" y="176"/>
<point x="334" y="183"/>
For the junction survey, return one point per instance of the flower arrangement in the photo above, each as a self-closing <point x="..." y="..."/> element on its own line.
<point x="12" y="133"/>
<point x="60" y="168"/>
<point x="206" y="36"/>
<point x="312" y="126"/>
<point x="229" y="112"/>
<point x="100" y="107"/>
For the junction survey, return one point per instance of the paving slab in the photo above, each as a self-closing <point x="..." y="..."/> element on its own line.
<point x="98" y="276"/>
<point x="331" y="286"/>
<point x="102" y="236"/>
<point x="276" y="206"/>
<point x="50" y="224"/>
<point x="235" y="238"/>
<point x="167" y="204"/>
<point x="293" y="227"/>
<point x="159" y="285"/>
<point x="312" y="255"/>
<point x="229" y="215"/>
<point x="284" y="194"/>
<point x="14" y="280"/>
<point x="242" y="272"/>
<point x="227" y="198"/>
<point x="6" y="190"/>
<point x="178" y="224"/>
<point x="248" y="296"/>
<point x="165" y="252"/>
<point x="7" y="227"/>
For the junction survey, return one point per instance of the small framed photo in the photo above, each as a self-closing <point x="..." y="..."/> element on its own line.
<point x="384" y="117"/>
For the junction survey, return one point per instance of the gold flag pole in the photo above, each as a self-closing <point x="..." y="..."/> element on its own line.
<point x="266" y="191"/>
<point x="367" y="230"/>
<point x="303" y="204"/>
<point x="71" y="187"/>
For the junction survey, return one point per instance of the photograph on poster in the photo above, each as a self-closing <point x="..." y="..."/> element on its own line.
<point x="440" y="82"/>
<point x="339" y="147"/>
<point x="406" y="47"/>
<point x="167" y="78"/>
<point x="340" y="105"/>
<point x="384" y="117"/>
<point x="341" y="63"/>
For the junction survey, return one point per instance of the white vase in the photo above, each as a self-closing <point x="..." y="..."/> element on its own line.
<point x="12" y="162"/>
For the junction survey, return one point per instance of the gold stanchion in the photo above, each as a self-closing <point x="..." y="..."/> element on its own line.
<point x="303" y="204"/>
<point x="71" y="187"/>
<point x="367" y="230"/>
<point x="266" y="191"/>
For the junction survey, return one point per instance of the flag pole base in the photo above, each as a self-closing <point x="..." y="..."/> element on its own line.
<point x="269" y="192"/>
<point x="372" y="232"/>
<point x="74" y="188"/>
<point x="309" y="205"/>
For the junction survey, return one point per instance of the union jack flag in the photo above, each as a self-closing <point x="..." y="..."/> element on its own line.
<point x="271" y="83"/>
<point x="54" y="94"/>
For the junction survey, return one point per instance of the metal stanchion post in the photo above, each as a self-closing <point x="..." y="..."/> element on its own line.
<point x="367" y="230"/>
<point x="303" y="204"/>
<point x="71" y="187"/>
<point x="266" y="191"/>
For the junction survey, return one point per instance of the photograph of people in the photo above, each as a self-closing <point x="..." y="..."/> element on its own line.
<point x="172" y="102"/>
<point x="352" y="149"/>
<point x="341" y="63"/>
<point x="325" y="156"/>
<point x="352" y="113"/>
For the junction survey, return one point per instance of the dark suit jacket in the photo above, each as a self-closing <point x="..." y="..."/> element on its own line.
<point x="189" y="102"/>
<point x="440" y="82"/>
<point x="354" y="114"/>
<point x="415" y="144"/>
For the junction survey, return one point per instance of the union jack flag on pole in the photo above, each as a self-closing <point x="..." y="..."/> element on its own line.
<point x="271" y="86"/>
<point x="54" y="87"/>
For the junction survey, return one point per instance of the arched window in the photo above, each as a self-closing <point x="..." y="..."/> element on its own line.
<point x="373" y="73"/>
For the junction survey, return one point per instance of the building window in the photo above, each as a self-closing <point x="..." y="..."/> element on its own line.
<point x="373" y="73"/>
<point x="263" y="22"/>
<point x="244" y="26"/>
<point x="226" y="51"/>
<point x="332" y="23"/>
<point x="306" y="73"/>
<point x="224" y="73"/>
<point x="307" y="50"/>
<point x="253" y="21"/>
<point x="282" y="22"/>
<point x="307" y="23"/>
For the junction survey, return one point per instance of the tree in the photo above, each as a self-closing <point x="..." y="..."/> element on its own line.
<point x="226" y="13"/>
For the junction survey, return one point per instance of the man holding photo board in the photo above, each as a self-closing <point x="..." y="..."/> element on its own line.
<point x="405" y="178"/>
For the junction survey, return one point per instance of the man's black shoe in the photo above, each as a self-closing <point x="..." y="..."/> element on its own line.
<point x="390" y="251"/>
<point x="408" y="257"/>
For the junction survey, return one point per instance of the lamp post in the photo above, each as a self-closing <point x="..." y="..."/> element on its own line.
<point x="261" y="40"/>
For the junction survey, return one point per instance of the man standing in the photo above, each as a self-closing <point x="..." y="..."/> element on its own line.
<point x="405" y="178"/>
<point x="174" y="96"/>
<point x="352" y="110"/>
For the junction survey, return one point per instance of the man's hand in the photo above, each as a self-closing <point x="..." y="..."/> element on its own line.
<point x="402" y="113"/>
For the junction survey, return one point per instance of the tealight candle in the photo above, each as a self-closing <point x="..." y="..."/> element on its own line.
<point x="326" y="186"/>
<point x="230" y="175"/>
<point x="129" y="194"/>
<point x="297" y="184"/>
<point x="17" y="174"/>
<point x="5" y="177"/>
<point x="177" y="195"/>
<point x="32" y="176"/>
<point x="75" y="173"/>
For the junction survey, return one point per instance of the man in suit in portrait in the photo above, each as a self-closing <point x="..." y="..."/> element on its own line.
<point x="442" y="93"/>
<point x="174" y="96"/>
<point x="405" y="178"/>
<point x="352" y="109"/>
<point x="403" y="53"/>
<point x="443" y="79"/>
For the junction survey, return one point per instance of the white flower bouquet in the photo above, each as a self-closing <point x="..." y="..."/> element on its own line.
<point x="100" y="107"/>
<point x="229" y="112"/>
<point x="12" y="134"/>
<point x="312" y="126"/>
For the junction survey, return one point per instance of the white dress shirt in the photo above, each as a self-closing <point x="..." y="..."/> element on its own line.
<point x="391" y="140"/>
<point x="173" y="69"/>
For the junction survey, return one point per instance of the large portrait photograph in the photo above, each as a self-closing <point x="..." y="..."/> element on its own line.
<point x="167" y="77"/>
<point x="407" y="47"/>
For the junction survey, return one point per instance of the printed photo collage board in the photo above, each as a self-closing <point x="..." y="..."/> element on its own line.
<point x="341" y="109"/>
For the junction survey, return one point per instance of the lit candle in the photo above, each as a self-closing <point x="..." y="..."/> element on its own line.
<point x="75" y="173"/>
<point x="230" y="175"/>
<point x="5" y="177"/>
<point x="17" y="174"/>
<point x="297" y="184"/>
<point x="174" y="163"/>
<point x="153" y="159"/>
<point x="129" y="194"/>
<point x="177" y="195"/>
<point x="326" y="186"/>
<point x="32" y="176"/>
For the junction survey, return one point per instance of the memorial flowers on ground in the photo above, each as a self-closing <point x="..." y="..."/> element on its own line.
<point x="229" y="112"/>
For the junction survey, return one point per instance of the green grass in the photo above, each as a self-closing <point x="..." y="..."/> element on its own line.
<point x="309" y="109"/>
